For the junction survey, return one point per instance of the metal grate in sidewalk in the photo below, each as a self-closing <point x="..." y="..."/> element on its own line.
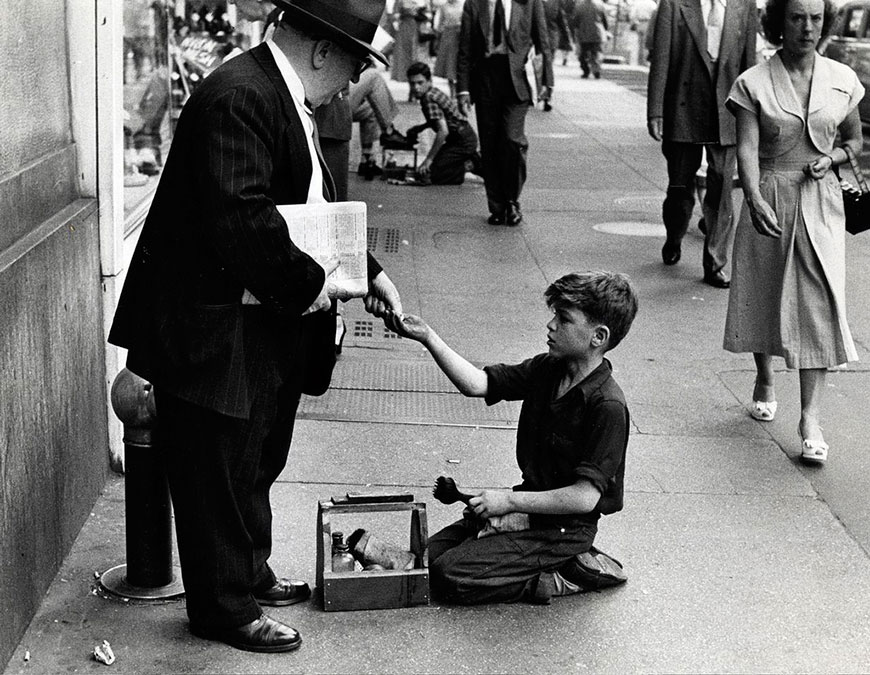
<point x="400" y="407"/>
<point x="383" y="240"/>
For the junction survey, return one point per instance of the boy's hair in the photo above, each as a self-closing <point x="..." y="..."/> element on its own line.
<point x="605" y="297"/>
<point x="419" y="68"/>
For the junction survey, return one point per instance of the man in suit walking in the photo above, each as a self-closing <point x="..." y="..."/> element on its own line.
<point x="494" y="43"/>
<point x="229" y="320"/>
<point x="699" y="49"/>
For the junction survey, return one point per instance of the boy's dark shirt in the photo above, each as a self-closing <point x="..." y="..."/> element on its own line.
<point x="583" y="434"/>
<point x="436" y="105"/>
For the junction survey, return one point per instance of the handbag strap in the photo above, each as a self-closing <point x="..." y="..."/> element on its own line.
<point x="856" y="169"/>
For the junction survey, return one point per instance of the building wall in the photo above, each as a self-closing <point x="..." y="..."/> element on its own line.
<point x="53" y="422"/>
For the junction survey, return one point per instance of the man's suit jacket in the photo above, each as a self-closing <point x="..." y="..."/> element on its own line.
<point x="685" y="87"/>
<point x="212" y="232"/>
<point x="528" y="27"/>
<point x="590" y="19"/>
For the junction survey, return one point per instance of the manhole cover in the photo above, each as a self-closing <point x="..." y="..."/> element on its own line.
<point x="632" y="229"/>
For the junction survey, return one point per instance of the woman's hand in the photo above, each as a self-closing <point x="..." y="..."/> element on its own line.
<point x="763" y="217"/>
<point x="819" y="167"/>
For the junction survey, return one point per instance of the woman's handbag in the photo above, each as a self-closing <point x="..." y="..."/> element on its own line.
<point x="856" y="200"/>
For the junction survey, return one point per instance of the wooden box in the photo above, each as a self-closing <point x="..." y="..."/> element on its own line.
<point x="383" y="589"/>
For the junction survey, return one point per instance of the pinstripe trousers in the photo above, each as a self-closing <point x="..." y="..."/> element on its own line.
<point x="220" y="471"/>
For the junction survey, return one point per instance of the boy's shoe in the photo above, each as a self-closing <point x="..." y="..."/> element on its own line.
<point x="593" y="570"/>
<point x="395" y="141"/>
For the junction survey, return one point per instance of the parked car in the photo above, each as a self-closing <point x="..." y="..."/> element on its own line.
<point x="849" y="42"/>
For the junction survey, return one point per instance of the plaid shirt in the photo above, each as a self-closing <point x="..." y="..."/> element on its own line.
<point x="436" y="105"/>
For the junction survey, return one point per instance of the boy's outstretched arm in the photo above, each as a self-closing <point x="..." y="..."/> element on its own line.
<point x="468" y="378"/>
<point x="581" y="497"/>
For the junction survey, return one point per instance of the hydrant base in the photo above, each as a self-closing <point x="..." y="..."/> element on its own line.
<point x="114" y="581"/>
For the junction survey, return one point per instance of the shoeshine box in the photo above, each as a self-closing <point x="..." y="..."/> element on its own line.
<point x="377" y="589"/>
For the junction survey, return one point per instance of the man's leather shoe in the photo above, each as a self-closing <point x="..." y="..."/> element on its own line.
<point x="496" y="219"/>
<point x="393" y="140"/>
<point x="513" y="216"/>
<point x="284" y="592"/>
<point x="261" y="635"/>
<point x="671" y="253"/>
<point x="716" y="279"/>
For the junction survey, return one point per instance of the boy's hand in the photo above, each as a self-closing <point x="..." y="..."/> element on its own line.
<point x="492" y="503"/>
<point x="413" y="327"/>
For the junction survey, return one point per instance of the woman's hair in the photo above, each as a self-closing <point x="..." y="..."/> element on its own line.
<point x="773" y="20"/>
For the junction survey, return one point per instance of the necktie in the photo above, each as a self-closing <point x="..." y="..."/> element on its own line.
<point x="497" y="23"/>
<point x="714" y="28"/>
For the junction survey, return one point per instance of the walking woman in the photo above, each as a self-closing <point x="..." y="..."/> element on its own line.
<point x="788" y="281"/>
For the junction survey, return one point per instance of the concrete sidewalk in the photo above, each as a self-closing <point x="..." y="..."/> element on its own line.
<point x="739" y="559"/>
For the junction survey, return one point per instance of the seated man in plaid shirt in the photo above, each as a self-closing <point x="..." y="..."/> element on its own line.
<point x="454" y="150"/>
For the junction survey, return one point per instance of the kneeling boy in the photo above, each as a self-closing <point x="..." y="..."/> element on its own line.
<point x="454" y="150"/>
<point x="571" y="441"/>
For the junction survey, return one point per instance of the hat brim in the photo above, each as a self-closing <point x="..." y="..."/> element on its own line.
<point x="346" y="40"/>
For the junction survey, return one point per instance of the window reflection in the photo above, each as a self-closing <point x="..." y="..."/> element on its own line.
<point x="170" y="46"/>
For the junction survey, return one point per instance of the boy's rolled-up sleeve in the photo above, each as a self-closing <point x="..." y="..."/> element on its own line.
<point x="510" y="382"/>
<point x="608" y="435"/>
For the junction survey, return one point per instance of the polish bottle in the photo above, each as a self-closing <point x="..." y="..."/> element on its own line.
<point x="342" y="560"/>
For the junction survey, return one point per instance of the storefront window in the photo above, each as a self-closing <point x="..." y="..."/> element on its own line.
<point x="146" y="96"/>
<point x="170" y="46"/>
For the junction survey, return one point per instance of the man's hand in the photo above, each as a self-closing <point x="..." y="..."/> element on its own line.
<point x="323" y="301"/>
<point x="464" y="102"/>
<point x="383" y="301"/>
<point x="492" y="503"/>
<point x="654" y="126"/>
<point x="425" y="168"/>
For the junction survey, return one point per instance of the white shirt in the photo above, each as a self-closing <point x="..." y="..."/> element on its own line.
<point x="297" y="92"/>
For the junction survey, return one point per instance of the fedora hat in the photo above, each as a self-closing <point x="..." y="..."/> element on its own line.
<point x="353" y="23"/>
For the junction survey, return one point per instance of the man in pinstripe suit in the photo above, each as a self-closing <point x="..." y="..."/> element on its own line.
<point x="229" y="320"/>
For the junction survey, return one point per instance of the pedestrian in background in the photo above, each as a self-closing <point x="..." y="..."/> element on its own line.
<point x="493" y="47"/>
<point x="229" y="320"/>
<point x="407" y="49"/>
<point x="448" y="22"/>
<point x="590" y="32"/>
<point x="699" y="49"/>
<point x="373" y="106"/>
<point x="641" y="14"/>
<point x="454" y="150"/>
<point x="788" y="296"/>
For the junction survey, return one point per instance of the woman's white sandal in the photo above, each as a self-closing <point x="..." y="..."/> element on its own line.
<point x="763" y="411"/>
<point x="813" y="452"/>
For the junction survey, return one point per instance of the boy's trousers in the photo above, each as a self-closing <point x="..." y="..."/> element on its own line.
<point x="502" y="567"/>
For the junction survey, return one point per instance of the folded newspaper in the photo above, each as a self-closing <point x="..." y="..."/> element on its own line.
<point x="329" y="232"/>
